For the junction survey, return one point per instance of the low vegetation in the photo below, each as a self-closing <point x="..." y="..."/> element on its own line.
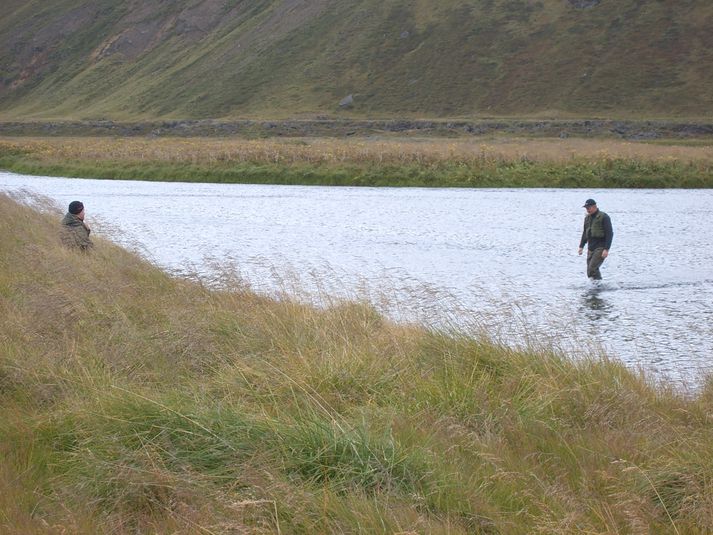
<point x="493" y="162"/>
<point x="134" y="402"/>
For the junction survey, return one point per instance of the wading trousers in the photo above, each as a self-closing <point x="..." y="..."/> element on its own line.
<point x="594" y="261"/>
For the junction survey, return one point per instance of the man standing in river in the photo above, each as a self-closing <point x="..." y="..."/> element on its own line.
<point x="75" y="232"/>
<point x="598" y="234"/>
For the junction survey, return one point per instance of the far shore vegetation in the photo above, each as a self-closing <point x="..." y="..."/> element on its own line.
<point x="137" y="402"/>
<point x="365" y="161"/>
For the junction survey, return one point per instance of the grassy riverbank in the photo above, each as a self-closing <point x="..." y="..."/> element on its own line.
<point x="370" y="162"/>
<point x="136" y="402"/>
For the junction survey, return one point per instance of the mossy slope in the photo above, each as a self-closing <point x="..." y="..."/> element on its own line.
<point x="187" y="59"/>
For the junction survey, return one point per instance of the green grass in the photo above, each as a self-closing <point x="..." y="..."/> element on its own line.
<point x="491" y="173"/>
<point x="137" y="402"/>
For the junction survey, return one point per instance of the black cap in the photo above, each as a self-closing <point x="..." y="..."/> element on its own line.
<point x="589" y="202"/>
<point x="75" y="207"/>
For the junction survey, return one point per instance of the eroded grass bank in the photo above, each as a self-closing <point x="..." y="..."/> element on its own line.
<point x="369" y="162"/>
<point x="136" y="402"/>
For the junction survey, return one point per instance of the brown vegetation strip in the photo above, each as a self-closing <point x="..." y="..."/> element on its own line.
<point x="361" y="151"/>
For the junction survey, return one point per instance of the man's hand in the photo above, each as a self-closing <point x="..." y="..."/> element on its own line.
<point x="605" y="253"/>
<point x="579" y="251"/>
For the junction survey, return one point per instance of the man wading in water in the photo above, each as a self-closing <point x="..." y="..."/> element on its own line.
<point x="598" y="234"/>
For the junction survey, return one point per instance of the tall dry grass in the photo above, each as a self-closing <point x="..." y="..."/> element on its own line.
<point x="427" y="152"/>
<point x="137" y="402"/>
<point x="363" y="161"/>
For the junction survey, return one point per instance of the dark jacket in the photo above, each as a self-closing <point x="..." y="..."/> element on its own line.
<point x="75" y="233"/>
<point x="597" y="231"/>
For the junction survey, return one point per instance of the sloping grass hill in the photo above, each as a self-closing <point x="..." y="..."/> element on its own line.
<point x="276" y="58"/>
<point x="133" y="402"/>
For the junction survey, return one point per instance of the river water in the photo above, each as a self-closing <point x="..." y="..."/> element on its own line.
<point x="500" y="260"/>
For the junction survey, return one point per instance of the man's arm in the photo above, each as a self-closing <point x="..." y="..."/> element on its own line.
<point x="583" y="240"/>
<point x="608" y="232"/>
<point x="82" y="237"/>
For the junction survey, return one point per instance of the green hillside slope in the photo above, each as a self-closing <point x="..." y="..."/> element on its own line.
<point x="279" y="58"/>
<point x="134" y="402"/>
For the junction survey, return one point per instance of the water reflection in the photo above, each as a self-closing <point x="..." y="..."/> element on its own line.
<point x="594" y="305"/>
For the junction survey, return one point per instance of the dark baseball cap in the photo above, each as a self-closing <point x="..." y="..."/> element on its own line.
<point x="75" y="207"/>
<point x="589" y="202"/>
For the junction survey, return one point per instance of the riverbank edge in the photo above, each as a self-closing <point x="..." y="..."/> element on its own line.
<point x="137" y="402"/>
<point x="517" y="173"/>
<point x="636" y="130"/>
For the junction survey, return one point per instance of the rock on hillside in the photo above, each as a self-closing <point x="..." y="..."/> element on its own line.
<point x="584" y="4"/>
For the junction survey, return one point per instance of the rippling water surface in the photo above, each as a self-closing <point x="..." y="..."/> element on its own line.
<point x="503" y="260"/>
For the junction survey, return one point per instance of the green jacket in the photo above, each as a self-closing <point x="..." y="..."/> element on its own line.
<point x="75" y="233"/>
<point x="597" y="231"/>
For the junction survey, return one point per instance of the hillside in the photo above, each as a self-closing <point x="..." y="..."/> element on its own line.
<point x="79" y="59"/>
<point x="133" y="402"/>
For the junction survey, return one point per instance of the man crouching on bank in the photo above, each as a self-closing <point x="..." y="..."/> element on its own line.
<point x="75" y="232"/>
<point x="598" y="234"/>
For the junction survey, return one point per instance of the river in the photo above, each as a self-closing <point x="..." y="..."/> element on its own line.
<point x="502" y="261"/>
